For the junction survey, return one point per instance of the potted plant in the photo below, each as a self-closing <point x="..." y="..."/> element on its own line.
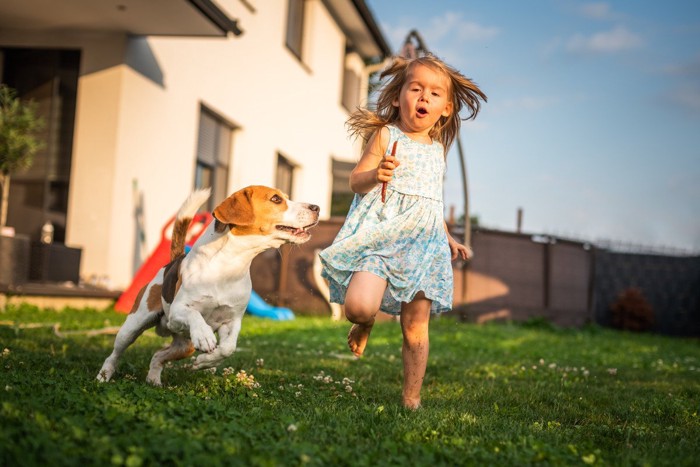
<point x="19" y="124"/>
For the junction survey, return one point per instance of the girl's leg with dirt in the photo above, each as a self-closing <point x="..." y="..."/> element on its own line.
<point x="362" y="301"/>
<point x="415" y="319"/>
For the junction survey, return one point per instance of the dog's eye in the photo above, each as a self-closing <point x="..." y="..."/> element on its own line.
<point x="276" y="199"/>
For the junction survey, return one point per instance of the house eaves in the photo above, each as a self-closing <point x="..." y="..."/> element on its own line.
<point x="134" y="17"/>
<point x="358" y="24"/>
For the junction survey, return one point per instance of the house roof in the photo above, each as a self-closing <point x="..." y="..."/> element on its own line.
<point x="137" y="17"/>
<point x="174" y="18"/>
<point x="359" y="25"/>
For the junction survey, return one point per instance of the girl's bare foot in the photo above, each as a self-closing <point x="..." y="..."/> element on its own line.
<point x="358" y="336"/>
<point x="412" y="404"/>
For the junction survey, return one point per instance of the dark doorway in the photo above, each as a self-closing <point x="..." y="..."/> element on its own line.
<point x="40" y="194"/>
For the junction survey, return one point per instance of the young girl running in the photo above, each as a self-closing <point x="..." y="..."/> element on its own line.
<point x="394" y="251"/>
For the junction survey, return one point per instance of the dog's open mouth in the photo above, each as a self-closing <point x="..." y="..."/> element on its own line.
<point x="296" y="231"/>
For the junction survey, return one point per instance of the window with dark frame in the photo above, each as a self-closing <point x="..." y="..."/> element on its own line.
<point x="284" y="178"/>
<point x="213" y="156"/>
<point x="295" y="26"/>
<point x="341" y="194"/>
<point x="49" y="77"/>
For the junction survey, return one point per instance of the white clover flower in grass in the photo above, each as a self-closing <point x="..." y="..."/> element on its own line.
<point x="247" y="380"/>
<point x="348" y="388"/>
<point x="612" y="371"/>
<point x="260" y="362"/>
<point x="297" y="394"/>
<point x="5" y="352"/>
<point x="292" y="428"/>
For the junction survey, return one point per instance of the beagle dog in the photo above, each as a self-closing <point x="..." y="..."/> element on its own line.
<point x="206" y="291"/>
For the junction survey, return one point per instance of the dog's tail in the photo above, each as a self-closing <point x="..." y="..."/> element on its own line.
<point x="184" y="218"/>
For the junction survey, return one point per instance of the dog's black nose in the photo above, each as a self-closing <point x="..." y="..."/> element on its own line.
<point x="314" y="208"/>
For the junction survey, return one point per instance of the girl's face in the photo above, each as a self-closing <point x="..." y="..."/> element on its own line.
<point x="424" y="98"/>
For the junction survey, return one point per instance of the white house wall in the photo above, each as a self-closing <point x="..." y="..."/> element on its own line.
<point x="138" y="123"/>
<point x="137" y="120"/>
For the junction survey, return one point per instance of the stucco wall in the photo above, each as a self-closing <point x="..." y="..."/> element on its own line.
<point x="279" y="104"/>
<point x="137" y="122"/>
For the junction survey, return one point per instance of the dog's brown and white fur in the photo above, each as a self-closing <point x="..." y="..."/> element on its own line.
<point x="207" y="291"/>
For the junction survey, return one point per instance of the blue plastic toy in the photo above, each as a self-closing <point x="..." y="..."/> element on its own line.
<point x="258" y="307"/>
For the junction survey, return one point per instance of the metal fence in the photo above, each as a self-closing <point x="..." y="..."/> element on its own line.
<point x="669" y="284"/>
<point x="518" y="277"/>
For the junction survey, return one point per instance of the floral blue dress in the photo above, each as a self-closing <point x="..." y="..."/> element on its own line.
<point x="402" y="240"/>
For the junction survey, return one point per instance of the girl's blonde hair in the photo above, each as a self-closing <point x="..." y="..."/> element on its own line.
<point x="462" y="93"/>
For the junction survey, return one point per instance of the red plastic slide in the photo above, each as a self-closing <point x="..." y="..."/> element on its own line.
<point x="159" y="258"/>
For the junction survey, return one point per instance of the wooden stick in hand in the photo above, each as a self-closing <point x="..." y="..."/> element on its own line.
<point x="393" y="153"/>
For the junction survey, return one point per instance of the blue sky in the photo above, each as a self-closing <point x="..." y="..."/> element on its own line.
<point x="593" y="119"/>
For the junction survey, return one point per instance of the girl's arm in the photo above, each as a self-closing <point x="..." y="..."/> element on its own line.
<point x="374" y="167"/>
<point x="456" y="248"/>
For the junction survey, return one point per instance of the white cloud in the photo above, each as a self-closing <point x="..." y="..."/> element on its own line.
<point x="475" y="126"/>
<point x="686" y="96"/>
<point x="615" y="40"/>
<point x="450" y="26"/>
<point x="685" y="92"/>
<point x="689" y="69"/>
<point x="453" y="26"/>
<point x="597" y="10"/>
<point x="395" y="35"/>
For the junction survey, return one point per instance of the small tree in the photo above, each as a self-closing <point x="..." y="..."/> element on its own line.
<point x="631" y="311"/>
<point x="19" y="124"/>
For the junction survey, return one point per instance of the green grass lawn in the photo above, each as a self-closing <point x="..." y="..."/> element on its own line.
<point x="494" y="395"/>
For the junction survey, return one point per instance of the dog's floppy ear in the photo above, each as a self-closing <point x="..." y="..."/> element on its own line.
<point x="237" y="209"/>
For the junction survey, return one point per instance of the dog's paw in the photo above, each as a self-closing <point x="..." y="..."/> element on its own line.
<point x="105" y="374"/>
<point x="154" y="379"/>
<point x="205" y="361"/>
<point x="203" y="338"/>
